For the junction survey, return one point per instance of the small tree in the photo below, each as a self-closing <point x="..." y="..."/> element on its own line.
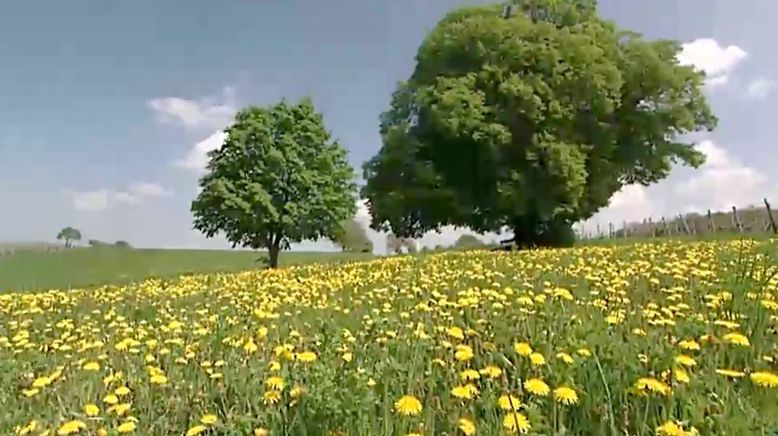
<point x="352" y="238"/>
<point x="468" y="241"/>
<point x="122" y="244"/>
<point x="278" y="178"/>
<point x="69" y="235"/>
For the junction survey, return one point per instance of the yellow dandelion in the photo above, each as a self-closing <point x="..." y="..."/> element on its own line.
<point x="737" y="339"/>
<point x="565" y="395"/>
<point x="111" y="399"/>
<point x="29" y="428"/>
<point x="469" y="375"/>
<point x="71" y="427"/>
<point x="491" y="371"/>
<point x="127" y="427"/>
<point x="91" y="410"/>
<point x="455" y="332"/>
<point x="209" y="419"/>
<point x="271" y="397"/>
<point x="408" y="405"/>
<point x="91" y="366"/>
<point x="466" y="426"/>
<point x="122" y="391"/>
<point x="516" y="422"/>
<point x="158" y="379"/>
<point x="764" y="379"/>
<point x="681" y="375"/>
<point x="537" y="359"/>
<point x="583" y="352"/>
<point x="465" y="392"/>
<point x="261" y="432"/>
<point x="522" y="349"/>
<point x="509" y="402"/>
<point x="537" y="386"/>
<point x="691" y="345"/>
<point x="307" y="356"/>
<point x="463" y="353"/>
<point x="685" y="360"/>
<point x="649" y="384"/>
<point x="276" y="383"/>
<point x="564" y="357"/>
<point x="196" y="430"/>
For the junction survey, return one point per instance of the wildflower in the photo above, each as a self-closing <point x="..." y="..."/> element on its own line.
<point x="737" y="339"/>
<point x="127" y="427"/>
<point x="196" y="430"/>
<point x="491" y="371"/>
<point x="516" y="422"/>
<point x="564" y="357"/>
<point x="91" y="366"/>
<point x="276" y="383"/>
<point x="408" y="405"/>
<point x="111" y="399"/>
<point x="765" y="379"/>
<point x="537" y="359"/>
<point x="465" y="392"/>
<point x="685" y="360"/>
<point x="469" y="375"/>
<point x="537" y="386"/>
<point x="522" y="349"/>
<point x="463" y="353"/>
<point x="565" y="395"/>
<point x="261" y="432"/>
<point x="509" y="402"/>
<point x="583" y="352"/>
<point x="689" y="345"/>
<point x="91" y="410"/>
<point x="209" y="419"/>
<point x="456" y="332"/>
<point x="730" y="373"/>
<point x="250" y="347"/>
<point x="297" y="391"/>
<point x="71" y="427"/>
<point x="122" y="391"/>
<point x="652" y="385"/>
<point x="674" y="428"/>
<point x="271" y="397"/>
<point x="307" y="357"/>
<point x="158" y="379"/>
<point x="466" y="426"/>
<point x="681" y="375"/>
<point x="29" y="428"/>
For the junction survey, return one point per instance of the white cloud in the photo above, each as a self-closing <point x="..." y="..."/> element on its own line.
<point x="102" y="199"/>
<point x="206" y="113"/>
<point x="89" y="200"/>
<point x="761" y="87"/>
<point x="722" y="182"/>
<point x="197" y="158"/>
<point x="716" y="61"/>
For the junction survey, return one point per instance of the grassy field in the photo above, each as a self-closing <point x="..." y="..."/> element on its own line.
<point x="671" y="338"/>
<point x="37" y="270"/>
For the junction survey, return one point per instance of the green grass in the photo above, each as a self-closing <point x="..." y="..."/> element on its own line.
<point x="28" y="270"/>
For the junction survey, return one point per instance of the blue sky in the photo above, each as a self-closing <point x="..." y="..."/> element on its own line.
<point x="106" y="107"/>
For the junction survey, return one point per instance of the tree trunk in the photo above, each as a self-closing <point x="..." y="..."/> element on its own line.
<point x="273" y="255"/>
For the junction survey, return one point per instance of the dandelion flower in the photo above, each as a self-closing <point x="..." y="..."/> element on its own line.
<point x="522" y="349"/>
<point x="565" y="395"/>
<point x="491" y="371"/>
<point x="564" y="357"/>
<point x="307" y="357"/>
<point x="111" y="399"/>
<point x="516" y="423"/>
<point x="674" y="428"/>
<point x="583" y="352"/>
<point x="463" y="353"/>
<point x="127" y="427"/>
<point x="685" y="360"/>
<point x="537" y="386"/>
<point x="681" y="375"/>
<point x="209" y="419"/>
<point x="158" y="379"/>
<point x="537" y="359"/>
<point x="122" y="391"/>
<point x="509" y="402"/>
<point x="276" y="383"/>
<point x="71" y="427"/>
<point x="765" y="379"/>
<point x="652" y="385"/>
<point x="91" y="410"/>
<point x="271" y="397"/>
<point x="456" y="332"/>
<point x="466" y="426"/>
<point x="261" y="432"/>
<point x="689" y="345"/>
<point x="469" y="375"/>
<point x="92" y="366"/>
<point x="465" y="392"/>
<point x="737" y="339"/>
<point x="408" y="405"/>
<point x="196" y="430"/>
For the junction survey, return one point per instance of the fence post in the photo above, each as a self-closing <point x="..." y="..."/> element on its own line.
<point x="736" y="220"/>
<point x="770" y="216"/>
<point x="666" y="227"/>
<point x="685" y="224"/>
<point x="711" y="226"/>
<point x="624" y="229"/>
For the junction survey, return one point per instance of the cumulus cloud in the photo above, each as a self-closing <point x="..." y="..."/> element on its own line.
<point x="197" y="158"/>
<point x="102" y="199"/>
<point x="204" y="113"/>
<point x="722" y="182"/>
<point x="761" y="87"/>
<point x="715" y="60"/>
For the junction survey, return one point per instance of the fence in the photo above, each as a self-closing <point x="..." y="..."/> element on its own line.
<point x="752" y="220"/>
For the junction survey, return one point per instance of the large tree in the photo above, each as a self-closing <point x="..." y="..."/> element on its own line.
<point x="352" y="237"/>
<point x="69" y="235"/>
<point x="530" y="121"/>
<point x="278" y="178"/>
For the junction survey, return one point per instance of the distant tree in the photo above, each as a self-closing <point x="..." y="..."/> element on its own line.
<point x="352" y="238"/>
<point x="122" y="244"/>
<point x="468" y="241"/>
<point x="278" y="178"/>
<point x="96" y="243"/>
<point x="530" y="122"/>
<point x="396" y="245"/>
<point x="69" y="235"/>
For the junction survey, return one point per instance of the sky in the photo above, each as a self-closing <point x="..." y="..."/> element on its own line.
<point x="107" y="108"/>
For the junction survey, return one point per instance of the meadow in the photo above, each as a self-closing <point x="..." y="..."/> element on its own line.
<point x="667" y="338"/>
<point x="35" y="269"/>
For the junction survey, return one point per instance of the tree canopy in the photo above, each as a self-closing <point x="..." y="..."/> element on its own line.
<point x="352" y="237"/>
<point x="279" y="178"/>
<point x="69" y="235"/>
<point x="468" y="241"/>
<point x="530" y="122"/>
